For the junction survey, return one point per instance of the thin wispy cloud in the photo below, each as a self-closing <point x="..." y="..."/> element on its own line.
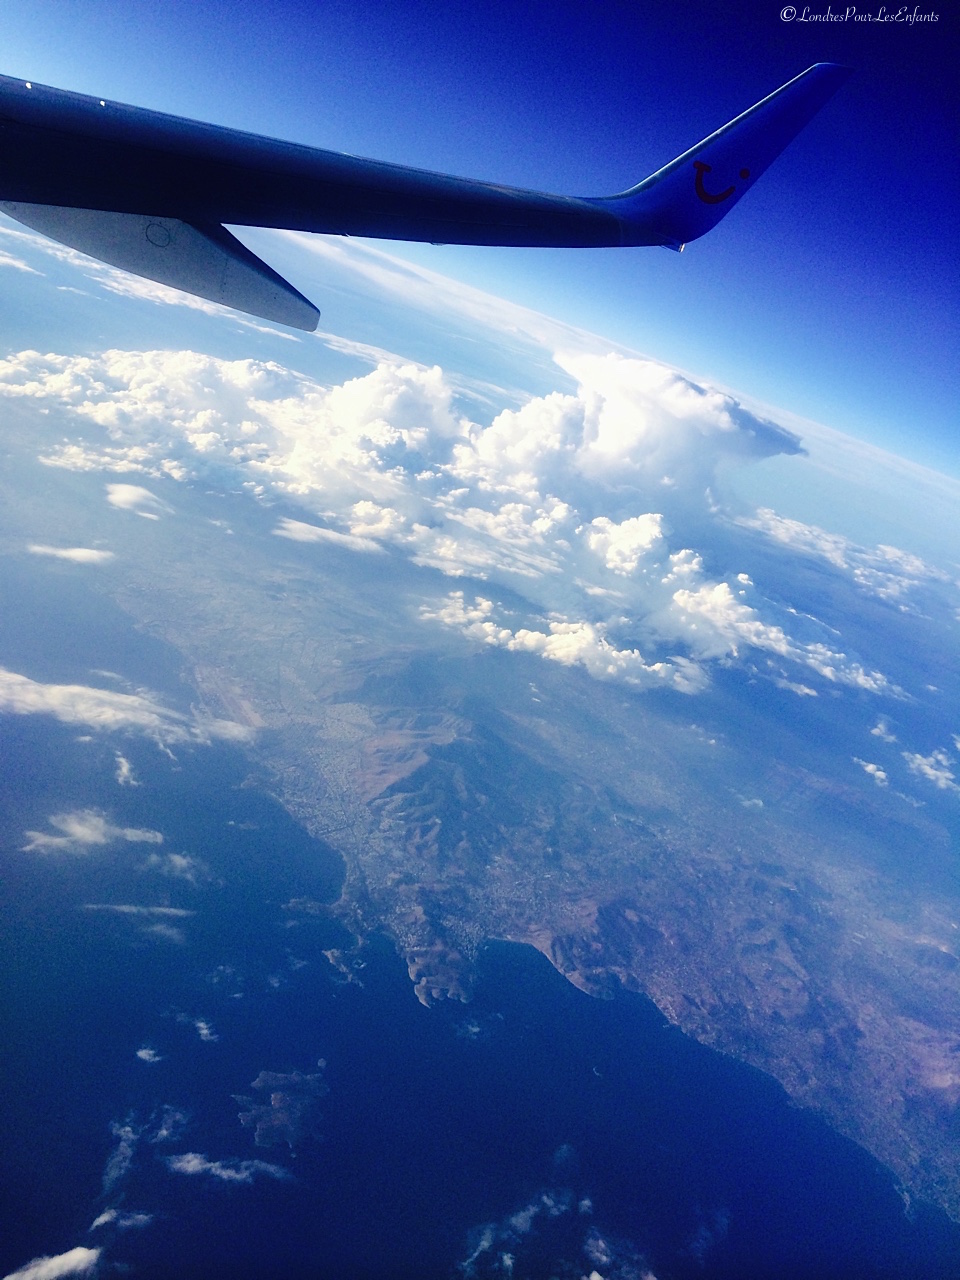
<point x="121" y="1221"/>
<point x="133" y="909"/>
<point x="179" y="866"/>
<point x="194" y="1164"/>
<point x="17" y="264"/>
<point x="120" y="1159"/>
<point x="85" y="829"/>
<point x="172" y="1123"/>
<point x="298" y="531"/>
<point x="133" y="497"/>
<point x="78" y="555"/>
<point x="107" y="711"/>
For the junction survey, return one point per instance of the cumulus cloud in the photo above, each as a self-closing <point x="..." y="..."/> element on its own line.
<point x="934" y="768"/>
<point x="146" y="1054"/>
<point x="876" y="773"/>
<point x="203" y="1028"/>
<point x="716" y="620"/>
<point x="570" y="643"/>
<point x="84" y="829"/>
<point x="882" y="731"/>
<point x="245" y="1171"/>
<point x="179" y="866"/>
<point x="78" y="555"/>
<point x="590" y="504"/>
<point x="75" y="1262"/>
<point x="107" y="711"/>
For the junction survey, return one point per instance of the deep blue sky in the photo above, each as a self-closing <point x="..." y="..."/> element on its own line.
<point x="831" y="291"/>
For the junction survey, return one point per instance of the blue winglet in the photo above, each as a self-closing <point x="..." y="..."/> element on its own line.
<point x="689" y="196"/>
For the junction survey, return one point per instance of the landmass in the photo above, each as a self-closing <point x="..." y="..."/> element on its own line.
<point x="715" y="853"/>
<point x="654" y="843"/>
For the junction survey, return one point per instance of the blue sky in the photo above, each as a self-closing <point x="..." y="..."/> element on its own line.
<point x="831" y="292"/>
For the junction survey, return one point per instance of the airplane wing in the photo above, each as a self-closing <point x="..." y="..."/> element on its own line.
<point x="149" y="192"/>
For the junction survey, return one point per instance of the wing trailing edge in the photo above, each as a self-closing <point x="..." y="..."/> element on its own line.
<point x="208" y="262"/>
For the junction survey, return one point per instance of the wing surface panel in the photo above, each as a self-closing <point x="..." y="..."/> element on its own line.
<point x="206" y="261"/>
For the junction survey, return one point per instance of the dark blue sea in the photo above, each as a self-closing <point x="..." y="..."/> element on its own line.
<point x="536" y="1132"/>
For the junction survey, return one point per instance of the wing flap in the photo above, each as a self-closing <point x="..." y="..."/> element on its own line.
<point x="206" y="261"/>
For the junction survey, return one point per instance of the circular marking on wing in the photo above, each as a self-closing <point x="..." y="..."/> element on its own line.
<point x="158" y="234"/>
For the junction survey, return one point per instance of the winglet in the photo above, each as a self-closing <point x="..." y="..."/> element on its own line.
<point x="689" y="196"/>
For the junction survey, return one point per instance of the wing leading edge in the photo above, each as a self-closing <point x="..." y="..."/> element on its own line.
<point x="149" y="192"/>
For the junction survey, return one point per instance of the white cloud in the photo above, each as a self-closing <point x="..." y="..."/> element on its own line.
<point x="79" y="555"/>
<point x="882" y="731"/>
<point x="133" y="497"/>
<point x="590" y="504"/>
<point x="121" y="1158"/>
<point x="122" y="1221"/>
<point x="75" y="1262"/>
<point x="934" y="767"/>
<point x="108" y="711"/>
<point x="18" y="264"/>
<point x="84" y="829"/>
<point x="172" y="1124"/>
<point x="298" y="531"/>
<point x="146" y="1054"/>
<point x="884" y="571"/>
<point x="621" y="546"/>
<point x="203" y="1028"/>
<point x="132" y="909"/>
<point x="124" y="774"/>
<point x="245" y="1171"/>
<point x="180" y="866"/>
<point x="570" y="643"/>
<point x="715" y="621"/>
<point x="552" y="1235"/>
<point x="168" y="932"/>
<point x="879" y="775"/>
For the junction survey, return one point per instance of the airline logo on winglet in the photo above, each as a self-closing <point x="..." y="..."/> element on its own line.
<point x="704" y="194"/>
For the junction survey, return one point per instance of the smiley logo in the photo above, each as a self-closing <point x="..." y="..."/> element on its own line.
<point x="704" y="194"/>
